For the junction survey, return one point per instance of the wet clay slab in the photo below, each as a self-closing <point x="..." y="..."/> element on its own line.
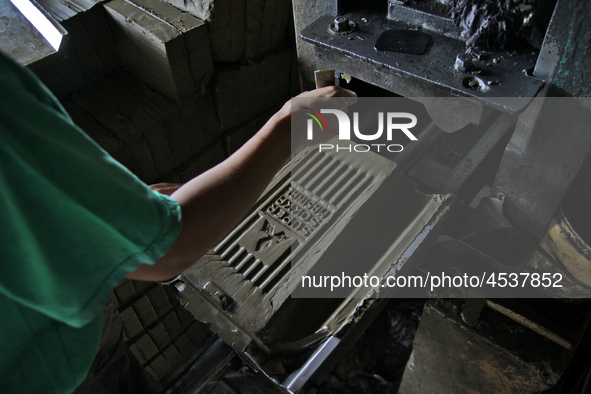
<point x="242" y="282"/>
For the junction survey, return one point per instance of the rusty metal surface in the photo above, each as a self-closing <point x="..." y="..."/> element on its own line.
<point x="497" y="355"/>
<point x="433" y="71"/>
<point x="536" y="180"/>
<point x="567" y="247"/>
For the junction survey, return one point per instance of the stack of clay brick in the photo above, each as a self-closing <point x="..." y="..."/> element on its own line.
<point x="160" y="333"/>
<point x="172" y="88"/>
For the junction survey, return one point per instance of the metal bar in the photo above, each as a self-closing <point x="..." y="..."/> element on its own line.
<point x="298" y="379"/>
<point x="472" y="160"/>
<point x="415" y="150"/>
<point x="529" y="324"/>
<point x="202" y="370"/>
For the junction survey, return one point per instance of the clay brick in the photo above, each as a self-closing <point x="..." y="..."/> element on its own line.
<point x="131" y="324"/>
<point x="227" y="28"/>
<point x="160" y="300"/>
<point x="125" y="292"/>
<point x="135" y="110"/>
<point x="167" y="114"/>
<point x="145" y="311"/>
<point x="202" y="9"/>
<point x="171" y="177"/>
<point x="151" y="372"/>
<point x="197" y="334"/>
<point x="227" y="25"/>
<point x="173" y="325"/>
<point x="134" y="350"/>
<point x="266" y="23"/>
<point x="240" y="93"/>
<point x="160" y="336"/>
<point x="161" y="367"/>
<point x="173" y="356"/>
<point x="154" y="48"/>
<point x="128" y="118"/>
<point x="146" y="347"/>
<point x="90" y="52"/>
<point x="123" y="157"/>
<point x="184" y="346"/>
<point x="235" y="138"/>
<point x="94" y="129"/>
<point x="142" y="287"/>
<point x="204" y="160"/>
<point x="97" y="26"/>
<point x="185" y="317"/>
<point x="195" y="34"/>
<point x="201" y="125"/>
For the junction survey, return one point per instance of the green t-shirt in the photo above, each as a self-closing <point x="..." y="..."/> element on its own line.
<point x="73" y="223"/>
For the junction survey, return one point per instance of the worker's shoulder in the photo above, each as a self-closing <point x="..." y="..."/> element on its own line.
<point x="18" y="81"/>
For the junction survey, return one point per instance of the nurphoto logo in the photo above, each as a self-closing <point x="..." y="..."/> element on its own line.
<point x="395" y="122"/>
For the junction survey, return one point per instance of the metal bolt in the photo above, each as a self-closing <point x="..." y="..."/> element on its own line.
<point x="226" y="301"/>
<point x="180" y="286"/>
<point x="341" y="24"/>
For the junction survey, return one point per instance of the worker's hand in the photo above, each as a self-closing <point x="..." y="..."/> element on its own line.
<point x="165" y="188"/>
<point x="298" y="110"/>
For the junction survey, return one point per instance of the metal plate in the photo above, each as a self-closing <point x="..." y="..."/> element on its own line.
<point x="434" y="69"/>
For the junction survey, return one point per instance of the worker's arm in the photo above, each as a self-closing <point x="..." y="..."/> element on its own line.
<point x="213" y="203"/>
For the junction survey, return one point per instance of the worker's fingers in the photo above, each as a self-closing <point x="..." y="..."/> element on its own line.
<point x="165" y="188"/>
<point x="332" y="91"/>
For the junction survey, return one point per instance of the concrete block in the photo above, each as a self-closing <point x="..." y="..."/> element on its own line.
<point x="204" y="160"/>
<point x="151" y="41"/>
<point x="242" y="92"/>
<point x="266" y="26"/>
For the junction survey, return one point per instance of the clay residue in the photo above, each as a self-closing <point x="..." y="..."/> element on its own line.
<point x="499" y="24"/>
